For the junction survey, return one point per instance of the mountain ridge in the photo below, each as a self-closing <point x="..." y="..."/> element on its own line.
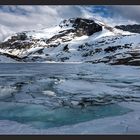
<point x="74" y="40"/>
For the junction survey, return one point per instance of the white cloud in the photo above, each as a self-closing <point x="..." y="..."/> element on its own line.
<point x="4" y="32"/>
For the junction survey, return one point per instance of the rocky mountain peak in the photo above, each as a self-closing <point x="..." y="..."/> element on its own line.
<point x="82" y="26"/>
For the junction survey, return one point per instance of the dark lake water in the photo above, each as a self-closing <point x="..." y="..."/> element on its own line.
<point x="51" y="95"/>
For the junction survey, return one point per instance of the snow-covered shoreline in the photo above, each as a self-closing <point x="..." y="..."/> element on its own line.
<point x="124" y="124"/>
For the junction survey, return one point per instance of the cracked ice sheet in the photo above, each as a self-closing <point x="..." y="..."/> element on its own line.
<point x="123" y="124"/>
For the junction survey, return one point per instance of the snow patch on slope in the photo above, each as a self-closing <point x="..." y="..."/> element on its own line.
<point x="5" y="59"/>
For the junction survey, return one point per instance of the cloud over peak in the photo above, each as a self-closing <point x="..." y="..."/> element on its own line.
<point x="19" y="18"/>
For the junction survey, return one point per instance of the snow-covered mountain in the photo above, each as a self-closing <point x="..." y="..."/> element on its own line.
<point x="73" y="40"/>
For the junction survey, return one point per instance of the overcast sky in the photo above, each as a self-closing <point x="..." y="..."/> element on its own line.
<point x="20" y="18"/>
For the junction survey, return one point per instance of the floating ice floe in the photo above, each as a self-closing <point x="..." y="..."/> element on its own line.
<point x="49" y="93"/>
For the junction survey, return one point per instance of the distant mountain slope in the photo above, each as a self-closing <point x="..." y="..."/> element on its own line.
<point x="131" y="28"/>
<point x="74" y="40"/>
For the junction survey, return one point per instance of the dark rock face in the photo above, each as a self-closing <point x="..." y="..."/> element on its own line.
<point x="18" y="41"/>
<point x="86" y="26"/>
<point x="12" y="56"/>
<point x="20" y="36"/>
<point x="66" y="49"/>
<point x="131" y="28"/>
<point x="82" y="26"/>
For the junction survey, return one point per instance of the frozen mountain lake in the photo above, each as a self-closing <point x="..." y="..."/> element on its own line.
<point x="48" y="96"/>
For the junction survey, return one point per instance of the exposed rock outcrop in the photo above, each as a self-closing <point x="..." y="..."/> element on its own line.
<point x="131" y="28"/>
